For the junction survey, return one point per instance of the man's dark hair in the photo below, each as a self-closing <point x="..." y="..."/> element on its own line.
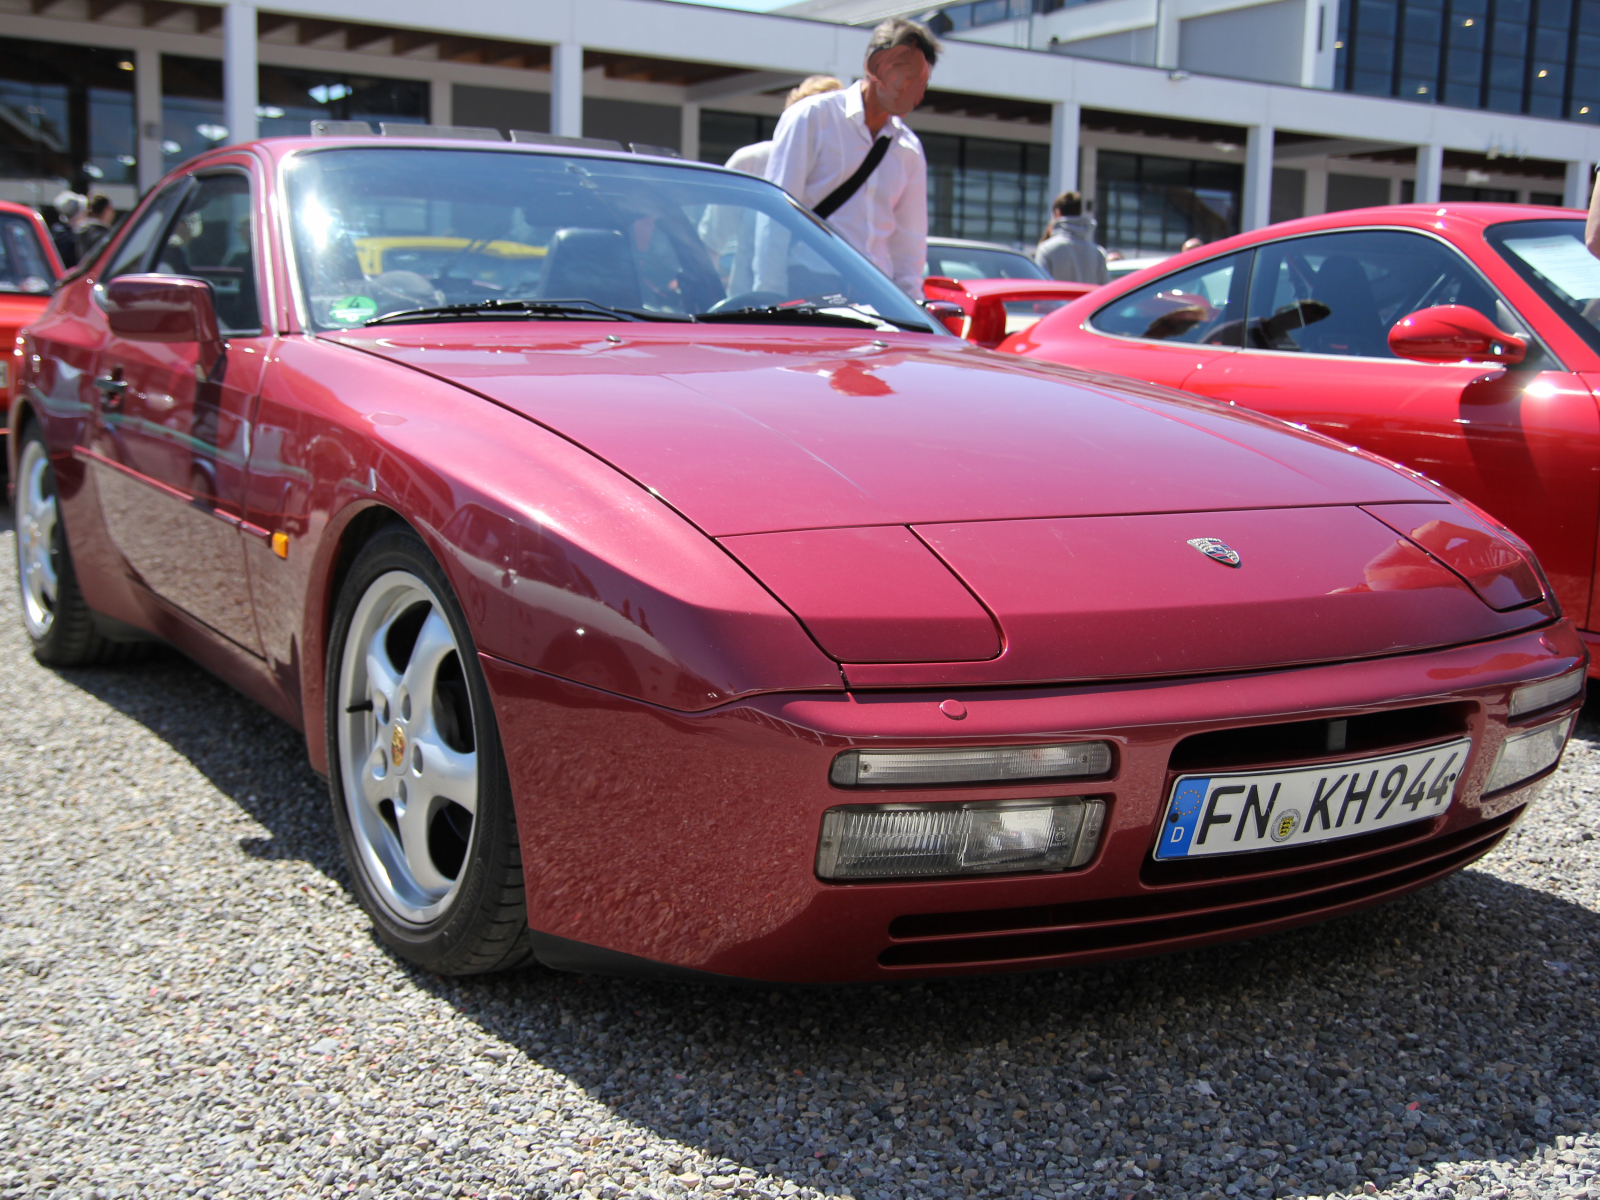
<point x="1068" y="204"/>
<point x="897" y="31"/>
<point x="98" y="205"/>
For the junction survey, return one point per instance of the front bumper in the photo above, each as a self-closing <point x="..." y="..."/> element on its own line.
<point x="689" y="841"/>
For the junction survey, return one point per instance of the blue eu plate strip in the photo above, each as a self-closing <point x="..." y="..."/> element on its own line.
<point x="1182" y="817"/>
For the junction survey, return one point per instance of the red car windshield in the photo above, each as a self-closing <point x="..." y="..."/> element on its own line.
<point x="1551" y="256"/>
<point x="24" y="266"/>
<point x="391" y="230"/>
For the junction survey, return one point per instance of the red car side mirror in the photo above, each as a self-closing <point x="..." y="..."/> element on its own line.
<point x="162" y="308"/>
<point x="948" y="313"/>
<point x="1452" y="333"/>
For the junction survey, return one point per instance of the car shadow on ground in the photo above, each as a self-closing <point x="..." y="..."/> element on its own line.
<point x="1457" y="1023"/>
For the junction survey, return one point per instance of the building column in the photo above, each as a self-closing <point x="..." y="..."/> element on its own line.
<point x="689" y="134"/>
<point x="441" y="102"/>
<point x="1167" y="33"/>
<point x="147" y="116"/>
<point x="1064" y="122"/>
<point x="1580" y="176"/>
<point x="240" y="85"/>
<point x="1257" y="199"/>
<point x="1317" y="190"/>
<point x="566" y="89"/>
<point x="1430" y="163"/>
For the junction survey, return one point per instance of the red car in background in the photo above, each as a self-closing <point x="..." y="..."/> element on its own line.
<point x="1459" y="340"/>
<point x="29" y="268"/>
<point x="644" y="623"/>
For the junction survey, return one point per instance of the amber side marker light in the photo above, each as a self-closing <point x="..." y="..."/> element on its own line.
<point x="1534" y="696"/>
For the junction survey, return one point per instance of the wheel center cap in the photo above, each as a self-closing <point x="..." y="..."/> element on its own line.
<point x="397" y="746"/>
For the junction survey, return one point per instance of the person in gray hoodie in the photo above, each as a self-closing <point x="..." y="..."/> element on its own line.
<point x="1068" y="251"/>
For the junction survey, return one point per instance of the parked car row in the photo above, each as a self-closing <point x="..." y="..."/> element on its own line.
<point x="646" y="621"/>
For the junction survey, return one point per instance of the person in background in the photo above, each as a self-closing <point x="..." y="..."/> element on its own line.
<point x="1068" y="251"/>
<point x="753" y="159"/>
<point x="1591" y="228"/>
<point x="1193" y="243"/>
<point x="850" y="157"/>
<point x="71" y="212"/>
<point x="97" y="228"/>
<point x="725" y="228"/>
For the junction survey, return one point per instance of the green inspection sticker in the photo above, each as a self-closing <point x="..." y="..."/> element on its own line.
<point x="352" y="310"/>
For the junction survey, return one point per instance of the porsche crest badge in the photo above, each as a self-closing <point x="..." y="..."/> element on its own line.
<point x="397" y="746"/>
<point x="1217" y="549"/>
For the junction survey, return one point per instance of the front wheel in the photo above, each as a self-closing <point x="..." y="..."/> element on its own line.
<point x="420" y="792"/>
<point x="58" y="622"/>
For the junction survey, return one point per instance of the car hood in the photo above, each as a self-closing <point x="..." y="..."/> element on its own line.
<point x="753" y="432"/>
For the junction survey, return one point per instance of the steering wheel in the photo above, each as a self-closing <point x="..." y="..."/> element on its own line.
<point x="748" y="300"/>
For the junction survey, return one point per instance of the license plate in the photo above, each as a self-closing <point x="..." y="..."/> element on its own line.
<point x="1263" y="810"/>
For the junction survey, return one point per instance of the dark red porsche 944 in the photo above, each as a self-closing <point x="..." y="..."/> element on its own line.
<point x="778" y="634"/>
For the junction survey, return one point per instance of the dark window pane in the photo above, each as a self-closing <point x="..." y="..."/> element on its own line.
<point x="1516" y="12"/>
<point x="1501" y="100"/>
<point x="1377" y="16"/>
<point x="1589" y="16"/>
<point x="1555" y="14"/>
<point x="1423" y="26"/>
<point x="1419" y="89"/>
<point x="1465" y="67"/>
<point x="1467" y="33"/>
<point x="1462" y="95"/>
<point x="1419" y="61"/>
<point x="67" y="114"/>
<point x="1506" y="72"/>
<point x="1544" y="106"/>
<point x="1375" y="54"/>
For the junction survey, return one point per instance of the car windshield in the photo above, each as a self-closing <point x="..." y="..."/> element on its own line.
<point x="24" y="267"/>
<point x="980" y="262"/>
<point x="494" y="234"/>
<point x="1551" y="256"/>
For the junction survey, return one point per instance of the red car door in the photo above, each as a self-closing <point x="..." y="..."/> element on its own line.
<point x="171" y="438"/>
<point x="1522" y="443"/>
<point x="1166" y="329"/>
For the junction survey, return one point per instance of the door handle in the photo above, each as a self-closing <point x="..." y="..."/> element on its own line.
<point x="111" y="387"/>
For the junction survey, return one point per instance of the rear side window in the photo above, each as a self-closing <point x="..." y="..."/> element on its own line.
<point x="1200" y="305"/>
<point x="23" y="265"/>
<point x="1340" y="293"/>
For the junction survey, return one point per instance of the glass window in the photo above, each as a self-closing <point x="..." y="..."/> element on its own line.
<point x="721" y="133"/>
<point x="986" y="189"/>
<point x="1340" y="293"/>
<point x="191" y="107"/>
<point x="68" y="114"/>
<point x="1203" y="305"/>
<point x="24" y="266"/>
<point x="1552" y="257"/>
<point x="978" y="262"/>
<point x="212" y="239"/>
<point x="1149" y="203"/>
<point x="133" y="253"/>
<point x="291" y="99"/>
<point x="383" y="229"/>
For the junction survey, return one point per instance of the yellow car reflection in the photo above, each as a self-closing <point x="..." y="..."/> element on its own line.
<point x="378" y="254"/>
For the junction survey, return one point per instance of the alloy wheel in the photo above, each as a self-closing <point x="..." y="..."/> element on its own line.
<point x="36" y="539"/>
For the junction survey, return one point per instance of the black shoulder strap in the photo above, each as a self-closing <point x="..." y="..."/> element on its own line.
<point x="834" y="200"/>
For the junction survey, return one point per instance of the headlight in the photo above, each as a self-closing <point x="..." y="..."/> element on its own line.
<point x="1534" y="696"/>
<point x="918" y="841"/>
<point x="998" y="764"/>
<point x="1526" y="754"/>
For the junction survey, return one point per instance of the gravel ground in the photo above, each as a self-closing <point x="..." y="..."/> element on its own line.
<point x="192" y="1004"/>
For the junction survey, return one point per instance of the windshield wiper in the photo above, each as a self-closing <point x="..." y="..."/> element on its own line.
<point x="521" y="308"/>
<point x="810" y="314"/>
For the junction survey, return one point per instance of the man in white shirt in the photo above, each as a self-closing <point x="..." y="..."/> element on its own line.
<point x="823" y="142"/>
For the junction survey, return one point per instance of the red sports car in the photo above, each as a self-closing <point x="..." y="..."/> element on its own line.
<point x="780" y="634"/>
<point x="29" y="268"/>
<point x="1461" y="340"/>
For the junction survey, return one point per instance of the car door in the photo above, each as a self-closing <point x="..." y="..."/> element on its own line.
<point x="1165" y="330"/>
<point x="1520" y="442"/>
<point x="171" y="439"/>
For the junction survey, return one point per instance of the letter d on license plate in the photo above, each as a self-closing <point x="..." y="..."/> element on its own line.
<point x="1262" y="810"/>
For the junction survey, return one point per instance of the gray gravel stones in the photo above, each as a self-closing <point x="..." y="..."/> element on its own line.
<point x="192" y="1005"/>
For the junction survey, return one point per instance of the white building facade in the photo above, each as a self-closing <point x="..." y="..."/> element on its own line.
<point x="1177" y="118"/>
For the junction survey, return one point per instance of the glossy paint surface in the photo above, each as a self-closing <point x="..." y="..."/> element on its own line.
<point x="698" y="563"/>
<point x="17" y="309"/>
<point x="1522" y="443"/>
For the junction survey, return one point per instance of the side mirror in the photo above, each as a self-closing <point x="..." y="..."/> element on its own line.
<point x="1453" y="333"/>
<point x="162" y="308"/>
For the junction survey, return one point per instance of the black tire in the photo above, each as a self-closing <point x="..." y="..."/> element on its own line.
<point x="400" y="839"/>
<point x="58" y="622"/>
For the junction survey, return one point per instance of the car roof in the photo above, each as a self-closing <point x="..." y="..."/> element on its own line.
<point x="971" y="244"/>
<point x="278" y="148"/>
<point x="22" y="210"/>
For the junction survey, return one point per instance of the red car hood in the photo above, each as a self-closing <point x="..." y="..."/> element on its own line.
<point x="937" y="514"/>
<point x="805" y="429"/>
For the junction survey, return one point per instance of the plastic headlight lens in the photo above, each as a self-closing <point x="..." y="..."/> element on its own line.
<point x="1526" y="754"/>
<point x="997" y="764"/>
<point x="1546" y="692"/>
<point x="918" y="841"/>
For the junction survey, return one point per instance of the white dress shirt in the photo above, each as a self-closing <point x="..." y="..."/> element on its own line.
<point x="818" y="145"/>
<point x="726" y="228"/>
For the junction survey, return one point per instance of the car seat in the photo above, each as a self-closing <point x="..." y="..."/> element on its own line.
<point x="590" y="264"/>
<point x="1352" y="325"/>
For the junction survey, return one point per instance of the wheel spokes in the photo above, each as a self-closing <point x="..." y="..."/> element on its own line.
<point x="414" y="821"/>
<point x="442" y="772"/>
<point x="433" y="645"/>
